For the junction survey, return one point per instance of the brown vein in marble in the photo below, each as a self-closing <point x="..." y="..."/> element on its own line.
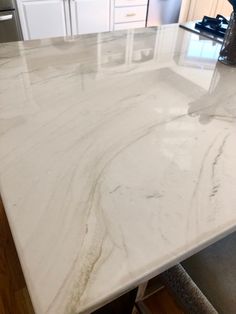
<point x="78" y="292"/>
<point x="94" y="253"/>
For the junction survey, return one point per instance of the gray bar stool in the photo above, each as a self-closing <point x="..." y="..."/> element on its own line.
<point x="206" y="282"/>
<point x="214" y="272"/>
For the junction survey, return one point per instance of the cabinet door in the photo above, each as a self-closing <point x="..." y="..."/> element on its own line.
<point x="224" y="8"/>
<point x="90" y="16"/>
<point x="199" y="8"/>
<point x="44" y="18"/>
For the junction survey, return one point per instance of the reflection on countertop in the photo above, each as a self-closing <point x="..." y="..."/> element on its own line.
<point x="219" y="101"/>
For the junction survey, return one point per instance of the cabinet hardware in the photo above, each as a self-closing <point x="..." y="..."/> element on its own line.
<point x="6" y="17"/>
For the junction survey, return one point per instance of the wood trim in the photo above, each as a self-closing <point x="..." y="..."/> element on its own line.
<point x="14" y="296"/>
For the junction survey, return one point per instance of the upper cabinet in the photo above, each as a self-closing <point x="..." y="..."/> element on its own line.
<point x="90" y="16"/>
<point x="44" y="18"/>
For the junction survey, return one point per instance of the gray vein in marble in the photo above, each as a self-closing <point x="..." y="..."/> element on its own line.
<point x="154" y="195"/>
<point x="204" y="159"/>
<point x="216" y="186"/>
<point x="115" y="189"/>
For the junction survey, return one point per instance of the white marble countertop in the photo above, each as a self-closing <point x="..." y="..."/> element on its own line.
<point x="117" y="159"/>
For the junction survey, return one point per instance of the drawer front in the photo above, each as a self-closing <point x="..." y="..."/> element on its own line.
<point x="123" y="3"/>
<point x="130" y="14"/>
<point x="121" y="26"/>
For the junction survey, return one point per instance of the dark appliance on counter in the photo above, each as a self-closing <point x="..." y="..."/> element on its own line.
<point x="215" y="26"/>
<point x="10" y="29"/>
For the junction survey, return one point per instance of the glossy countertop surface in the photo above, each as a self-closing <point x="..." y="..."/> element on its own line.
<point x="117" y="159"/>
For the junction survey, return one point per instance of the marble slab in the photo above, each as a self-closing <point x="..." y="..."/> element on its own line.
<point x="117" y="159"/>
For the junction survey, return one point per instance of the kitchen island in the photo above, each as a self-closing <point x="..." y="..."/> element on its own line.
<point x="117" y="159"/>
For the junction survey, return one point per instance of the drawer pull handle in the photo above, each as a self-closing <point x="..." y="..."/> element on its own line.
<point x="6" y="17"/>
<point x="130" y="14"/>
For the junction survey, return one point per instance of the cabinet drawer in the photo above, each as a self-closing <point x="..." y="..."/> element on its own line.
<point x="130" y="14"/>
<point x="121" y="26"/>
<point x="122" y="3"/>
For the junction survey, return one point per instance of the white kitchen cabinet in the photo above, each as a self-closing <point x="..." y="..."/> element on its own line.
<point x="52" y="18"/>
<point x="129" y="14"/>
<point x="44" y="18"/>
<point x="90" y="16"/>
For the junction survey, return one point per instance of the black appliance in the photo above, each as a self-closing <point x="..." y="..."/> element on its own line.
<point x="215" y="26"/>
<point x="10" y="29"/>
